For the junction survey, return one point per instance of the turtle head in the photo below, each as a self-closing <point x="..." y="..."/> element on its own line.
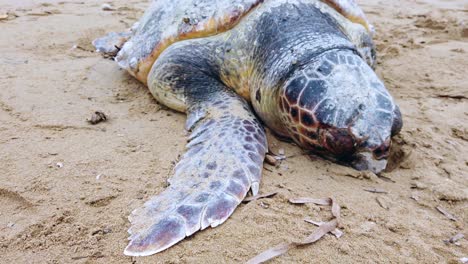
<point x="336" y="106"/>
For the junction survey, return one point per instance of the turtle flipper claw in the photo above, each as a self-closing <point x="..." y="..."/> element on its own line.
<point x="223" y="161"/>
<point x="160" y="236"/>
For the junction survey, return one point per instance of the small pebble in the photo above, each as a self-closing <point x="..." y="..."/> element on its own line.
<point x="270" y="159"/>
<point x="107" y="7"/>
<point x="97" y="117"/>
<point x="418" y="185"/>
<point x="281" y="151"/>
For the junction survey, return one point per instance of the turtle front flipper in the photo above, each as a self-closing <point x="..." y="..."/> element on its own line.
<point x="224" y="158"/>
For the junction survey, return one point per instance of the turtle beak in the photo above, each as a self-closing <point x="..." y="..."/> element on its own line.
<point x="367" y="161"/>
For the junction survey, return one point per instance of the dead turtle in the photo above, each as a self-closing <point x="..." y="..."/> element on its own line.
<point x="303" y="68"/>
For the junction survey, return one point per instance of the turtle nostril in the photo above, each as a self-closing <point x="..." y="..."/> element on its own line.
<point x="382" y="151"/>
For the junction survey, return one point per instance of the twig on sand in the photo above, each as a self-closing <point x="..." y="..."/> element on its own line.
<point x="447" y="214"/>
<point x="323" y="229"/>
<point x="375" y="190"/>
<point x="455" y="96"/>
<point x="259" y="196"/>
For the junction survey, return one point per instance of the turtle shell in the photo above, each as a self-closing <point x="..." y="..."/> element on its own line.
<point x="166" y="22"/>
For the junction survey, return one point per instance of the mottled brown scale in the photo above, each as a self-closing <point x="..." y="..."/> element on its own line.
<point x="307" y="118"/>
<point x="294" y="112"/>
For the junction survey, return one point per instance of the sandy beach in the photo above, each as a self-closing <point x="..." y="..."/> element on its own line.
<point x="67" y="187"/>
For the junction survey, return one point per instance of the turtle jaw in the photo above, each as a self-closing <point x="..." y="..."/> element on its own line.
<point x="367" y="161"/>
<point x="372" y="159"/>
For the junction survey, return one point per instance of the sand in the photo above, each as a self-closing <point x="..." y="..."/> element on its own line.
<point x="67" y="187"/>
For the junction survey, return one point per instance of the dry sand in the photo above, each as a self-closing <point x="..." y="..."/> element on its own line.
<point x="78" y="213"/>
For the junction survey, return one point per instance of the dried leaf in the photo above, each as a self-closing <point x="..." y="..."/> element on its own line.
<point x="304" y="200"/>
<point x="336" y="212"/>
<point x="337" y="233"/>
<point x="264" y="205"/>
<point x="375" y="190"/>
<point x="283" y="248"/>
<point x="259" y="196"/>
<point x="447" y="214"/>
<point x="385" y="178"/>
<point x="452" y="96"/>
<point x="271" y="253"/>
<point x="382" y="203"/>
<point x="322" y="230"/>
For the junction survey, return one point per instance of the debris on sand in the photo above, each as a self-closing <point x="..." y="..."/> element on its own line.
<point x="304" y="200"/>
<point x="375" y="190"/>
<point x="275" y="159"/>
<point x="8" y="16"/>
<point x="97" y="117"/>
<point x="95" y="255"/>
<point x="461" y="134"/>
<point x="259" y="196"/>
<point x="454" y="239"/>
<point x="107" y="7"/>
<point x="272" y="160"/>
<point x="323" y="229"/>
<point x="44" y="13"/>
<point x="281" y="152"/>
<point x="337" y="233"/>
<point x="452" y="96"/>
<point x="382" y="203"/>
<point x="447" y="214"/>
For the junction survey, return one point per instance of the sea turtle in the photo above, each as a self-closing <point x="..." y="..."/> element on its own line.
<point x="303" y="68"/>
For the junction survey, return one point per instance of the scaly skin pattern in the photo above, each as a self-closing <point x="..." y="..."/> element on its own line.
<point x="166" y="22"/>
<point x="223" y="161"/>
<point x="300" y="66"/>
